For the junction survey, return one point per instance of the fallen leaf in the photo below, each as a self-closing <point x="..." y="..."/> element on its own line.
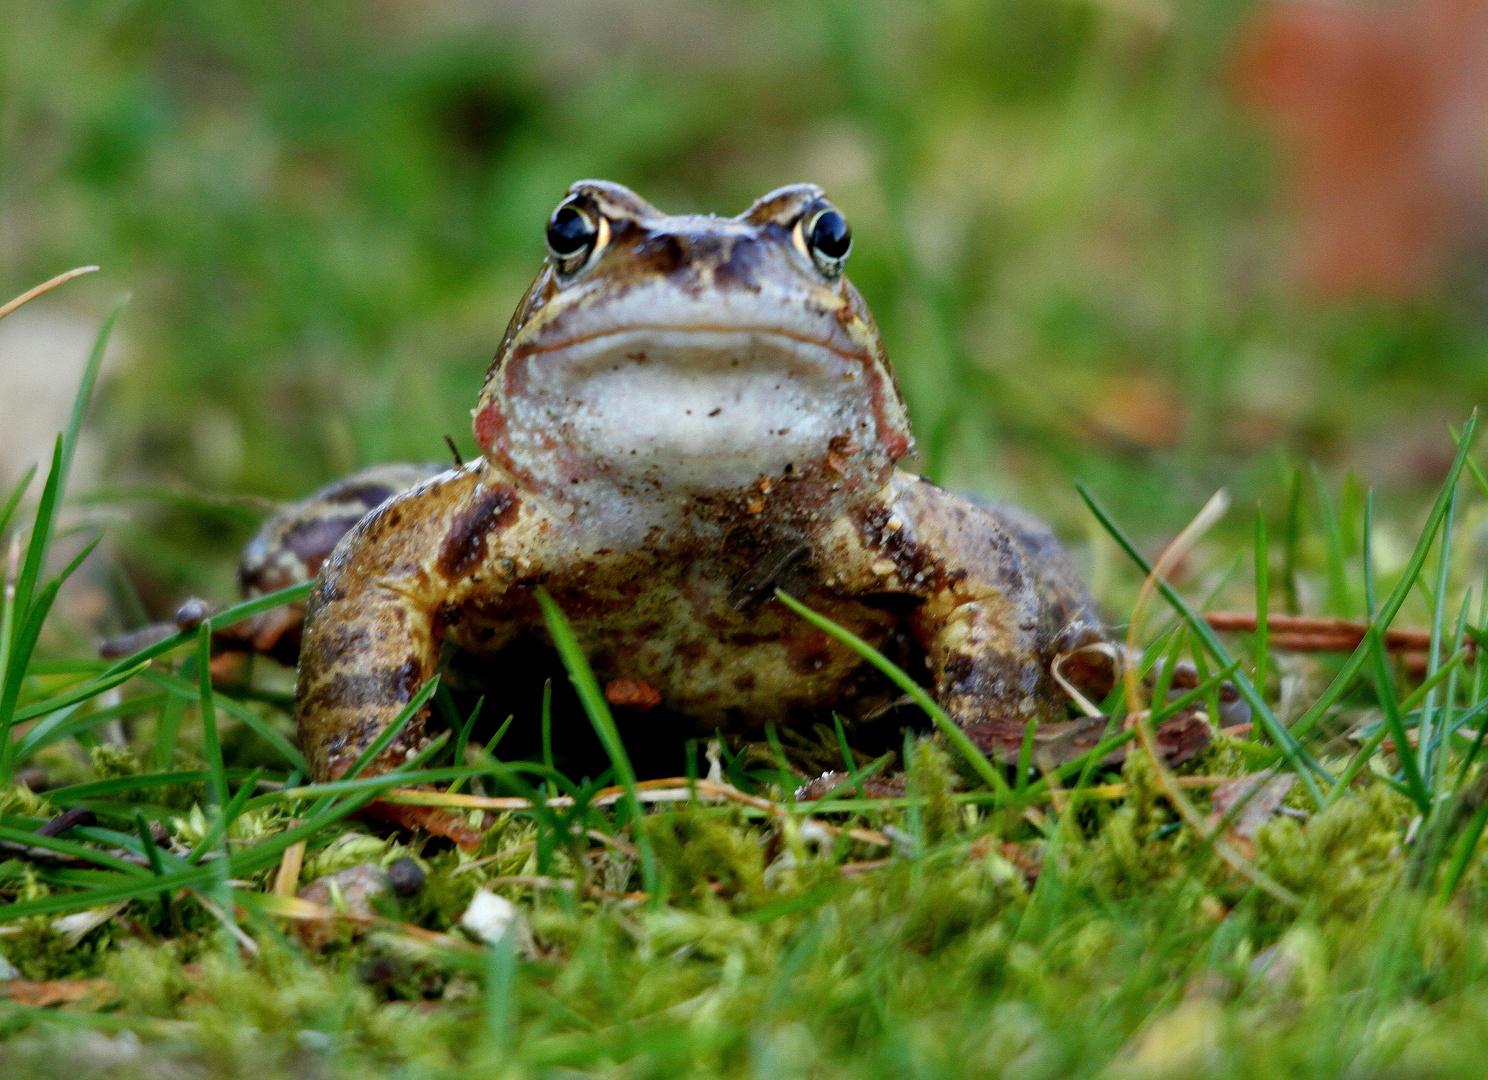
<point x="1257" y="811"/>
<point x="874" y="787"/>
<point x="1179" y="738"/>
<point x="55" y="991"/>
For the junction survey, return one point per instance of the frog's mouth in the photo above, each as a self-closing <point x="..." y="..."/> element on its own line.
<point x="696" y="408"/>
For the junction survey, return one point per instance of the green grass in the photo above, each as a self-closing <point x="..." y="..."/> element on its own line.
<point x="327" y="212"/>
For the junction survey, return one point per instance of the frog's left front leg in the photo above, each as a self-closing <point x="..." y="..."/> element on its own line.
<point x="997" y="604"/>
<point x="373" y="629"/>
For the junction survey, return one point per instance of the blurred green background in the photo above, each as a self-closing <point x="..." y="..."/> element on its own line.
<point x="1077" y="238"/>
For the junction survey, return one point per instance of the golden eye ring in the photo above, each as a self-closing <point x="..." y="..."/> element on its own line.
<point x="574" y="235"/>
<point x="822" y="235"/>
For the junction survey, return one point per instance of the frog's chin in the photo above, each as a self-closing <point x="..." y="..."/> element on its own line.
<point x="688" y="410"/>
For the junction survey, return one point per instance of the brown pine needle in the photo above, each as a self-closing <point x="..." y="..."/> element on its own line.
<point x="1312" y="633"/>
<point x="45" y="287"/>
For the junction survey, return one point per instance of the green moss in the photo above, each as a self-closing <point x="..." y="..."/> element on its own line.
<point x="709" y="859"/>
<point x="933" y="778"/>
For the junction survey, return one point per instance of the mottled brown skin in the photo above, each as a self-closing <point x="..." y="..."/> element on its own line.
<point x="663" y="537"/>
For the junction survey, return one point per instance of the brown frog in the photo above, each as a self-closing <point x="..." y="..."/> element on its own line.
<point x="684" y="414"/>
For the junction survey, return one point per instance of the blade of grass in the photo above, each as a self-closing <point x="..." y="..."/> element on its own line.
<point x="152" y="853"/>
<point x="45" y="287"/>
<point x="786" y="778"/>
<point x="1385" y="691"/>
<point x="598" y="710"/>
<point x="847" y="757"/>
<point x="1025" y="758"/>
<point x="463" y="739"/>
<point x="501" y="731"/>
<point x="948" y="727"/>
<point x="15" y="498"/>
<point x="1467" y="843"/>
<point x="1433" y="653"/>
<point x="83" y="693"/>
<point x="58" y="727"/>
<point x="261" y="727"/>
<point x="211" y="746"/>
<point x="500" y="1012"/>
<point x="1333" y="542"/>
<point x="1262" y="601"/>
<point x="217" y="831"/>
<point x="1163" y="684"/>
<point x="1387" y="612"/>
<point x="385" y="737"/>
<point x="21" y="649"/>
<point x="92" y="789"/>
<point x="167" y="728"/>
<point x="62" y="455"/>
<point x="1369" y="554"/>
<point x="71" y="848"/>
<point x="235" y="614"/>
<point x="41" y="532"/>
<point x="84" y="395"/>
<point x="1449" y="723"/>
<point x="1291" y="537"/>
<point x="547" y="727"/>
<point x="1298" y="758"/>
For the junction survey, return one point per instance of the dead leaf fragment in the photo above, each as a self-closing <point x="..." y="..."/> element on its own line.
<point x="1179" y="738"/>
<point x="874" y="787"/>
<point x="55" y="991"/>
<point x="1256" y="812"/>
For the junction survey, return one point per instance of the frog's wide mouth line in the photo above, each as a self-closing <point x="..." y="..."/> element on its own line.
<point x="704" y="336"/>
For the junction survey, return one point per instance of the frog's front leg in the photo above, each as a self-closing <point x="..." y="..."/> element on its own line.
<point x="997" y="604"/>
<point x="373" y="629"/>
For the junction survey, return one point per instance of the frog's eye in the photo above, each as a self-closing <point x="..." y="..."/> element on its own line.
<point x="573" y="235"/>
<point x="826" y="237"/>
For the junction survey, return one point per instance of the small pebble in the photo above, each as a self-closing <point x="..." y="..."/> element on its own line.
<point x="406" y="877"/>
<point x="489" y="916"/>
<point x="192" y="613"/>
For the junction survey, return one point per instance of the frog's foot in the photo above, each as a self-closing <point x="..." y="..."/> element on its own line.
<point x="1093" y="670"/>
<point x="435" y="820"/>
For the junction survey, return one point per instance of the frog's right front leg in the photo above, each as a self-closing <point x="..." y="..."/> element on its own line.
<point x="372" y="631"/>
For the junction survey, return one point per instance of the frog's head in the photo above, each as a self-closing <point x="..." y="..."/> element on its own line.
<point x="692" y="355"/>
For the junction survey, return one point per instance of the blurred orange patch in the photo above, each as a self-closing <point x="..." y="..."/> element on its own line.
<point x="1136" y="409"/>
<point x="1382" y="113"/>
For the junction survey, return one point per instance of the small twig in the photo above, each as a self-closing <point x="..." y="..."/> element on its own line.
<point x="1312" y="633"/>
<point x="247" y="944"/>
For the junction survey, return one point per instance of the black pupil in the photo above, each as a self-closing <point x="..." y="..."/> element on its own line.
<point x="569" y="232"/>
<point x="830" y="235"/>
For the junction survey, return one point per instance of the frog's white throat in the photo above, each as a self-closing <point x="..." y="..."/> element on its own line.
<point x="664" y="412"/>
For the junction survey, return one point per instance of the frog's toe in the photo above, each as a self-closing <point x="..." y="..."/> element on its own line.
<point x="432" y="819"/>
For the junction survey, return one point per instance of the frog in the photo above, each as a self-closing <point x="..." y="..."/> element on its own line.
<point x="687" y="415"/>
